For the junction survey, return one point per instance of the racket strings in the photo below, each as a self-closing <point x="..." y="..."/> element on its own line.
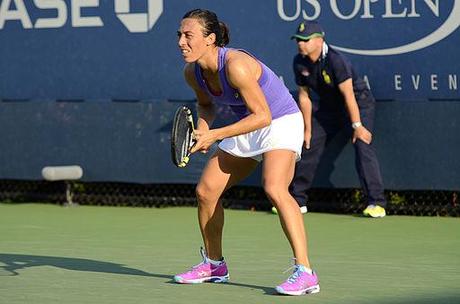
<point x="182" y="136"/>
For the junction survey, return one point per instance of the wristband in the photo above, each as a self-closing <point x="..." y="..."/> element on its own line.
<point x="356" y="125"/>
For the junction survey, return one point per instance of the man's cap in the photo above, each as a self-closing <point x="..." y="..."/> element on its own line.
<point x="308" y="29"/>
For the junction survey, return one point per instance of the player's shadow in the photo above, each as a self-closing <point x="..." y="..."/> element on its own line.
<point x="16" y="262"/>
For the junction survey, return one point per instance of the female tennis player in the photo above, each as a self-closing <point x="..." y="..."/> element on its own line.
<point x="269" y="130"/>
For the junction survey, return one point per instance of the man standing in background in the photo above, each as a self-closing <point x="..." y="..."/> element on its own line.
<point x="345" y="102"/>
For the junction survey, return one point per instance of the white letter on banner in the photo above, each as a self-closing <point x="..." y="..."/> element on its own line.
<point x="19" y="14"/>
<point x="389" y="10"/>
<point x="61" y="17"/>
<point x="78" y="20"/>
<point x="413" y="11"/>
<point x="337" y="12"/>
<point x="434" y="82"/>
<point x="367" y="9"/>
<point x="432" y="5"/>
<point x="398" y="82"/>
<point x="282" y="14"/>
<point x="452" y="82"/>
<point x="366" y="80"/>
<point x="317" y="10"/>
<point x="415" y="81"/>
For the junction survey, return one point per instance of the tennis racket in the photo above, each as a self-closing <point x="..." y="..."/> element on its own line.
<point x="182" y="139"/>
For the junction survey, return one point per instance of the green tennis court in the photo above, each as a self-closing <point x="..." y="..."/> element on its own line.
<point x="51" y="254"/>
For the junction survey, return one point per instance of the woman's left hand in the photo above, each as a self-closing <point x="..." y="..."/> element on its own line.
<point x="204" y="140"/>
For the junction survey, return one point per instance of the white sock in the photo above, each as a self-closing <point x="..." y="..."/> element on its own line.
<point x="306" y="269"/>
<point x="215" y="263"/>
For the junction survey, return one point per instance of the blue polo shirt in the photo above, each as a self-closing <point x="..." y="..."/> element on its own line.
<point x="324" y="76"/>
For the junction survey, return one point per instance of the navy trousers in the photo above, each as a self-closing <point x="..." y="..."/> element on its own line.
<point x="325" y="125"/>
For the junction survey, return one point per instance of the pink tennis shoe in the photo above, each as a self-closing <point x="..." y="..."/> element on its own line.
<point x="206" y="271"/>
<point x="300" y="282"/>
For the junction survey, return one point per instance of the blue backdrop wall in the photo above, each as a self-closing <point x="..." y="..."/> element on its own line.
<point x="96" y="83"/>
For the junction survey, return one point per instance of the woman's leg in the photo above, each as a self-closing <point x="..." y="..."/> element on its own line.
<point x="277" y="173"/>
<point x="221" y="172"/>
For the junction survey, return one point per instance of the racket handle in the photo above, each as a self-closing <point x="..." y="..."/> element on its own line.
<point x="184" y="162"/>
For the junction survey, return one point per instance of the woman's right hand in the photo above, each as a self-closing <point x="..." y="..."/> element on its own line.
<point x="204" y="140"/>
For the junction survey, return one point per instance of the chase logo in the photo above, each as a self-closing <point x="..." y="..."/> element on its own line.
<point x="79" y="13"/>
<point x="407" y="23"/>
<point x="139" y="22"/>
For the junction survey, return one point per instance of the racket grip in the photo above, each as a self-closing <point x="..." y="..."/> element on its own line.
<point x="184" y="162"/>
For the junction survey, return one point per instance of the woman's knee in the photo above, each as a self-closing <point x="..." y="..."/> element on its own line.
<point x="274" y="193"/>
<point x="206" y="194"/>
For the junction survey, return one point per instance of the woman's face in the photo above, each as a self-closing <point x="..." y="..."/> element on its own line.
<point x="191" y="41"/>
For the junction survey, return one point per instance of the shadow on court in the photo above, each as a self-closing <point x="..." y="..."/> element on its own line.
<point x="15" y="262"/>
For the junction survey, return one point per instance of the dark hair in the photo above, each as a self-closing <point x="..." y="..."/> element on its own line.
<point x="211" y="25"/>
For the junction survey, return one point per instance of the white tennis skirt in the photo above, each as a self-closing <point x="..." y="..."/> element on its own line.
<point x="284" y="133"/>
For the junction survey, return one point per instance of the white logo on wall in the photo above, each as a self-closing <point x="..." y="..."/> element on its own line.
<point x="138" y="22"/>
<point x="59" y="12"/>
<point x="448" y="27"/>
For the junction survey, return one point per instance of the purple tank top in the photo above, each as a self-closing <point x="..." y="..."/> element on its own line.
<point x="279" y="100"/>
